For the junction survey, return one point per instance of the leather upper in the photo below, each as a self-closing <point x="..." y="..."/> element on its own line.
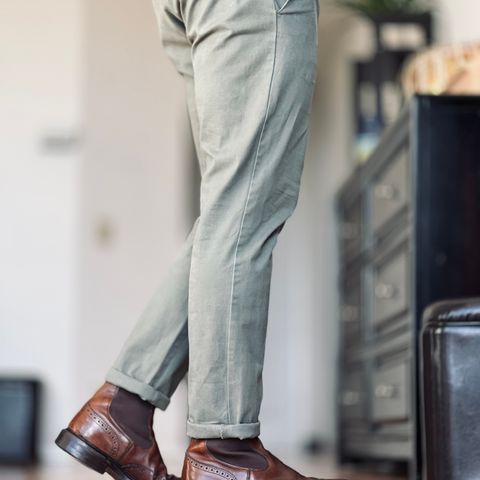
<point x="200" y="464"/>
<point x="95" y="424"/>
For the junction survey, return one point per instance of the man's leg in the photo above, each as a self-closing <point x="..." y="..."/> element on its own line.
<point x="254" y="64"/>
<point x="113" y="432"/>
<point x="155" y="356"/>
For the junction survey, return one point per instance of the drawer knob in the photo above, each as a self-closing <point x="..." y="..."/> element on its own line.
<point x="350" y="399"/>
<point x="386" y="391"/>
<point x="385" y="192"/>
<point x="385" y="291"/>
<point x="349" y="313"/>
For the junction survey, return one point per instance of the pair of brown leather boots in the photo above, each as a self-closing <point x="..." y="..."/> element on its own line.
<point x="113" y="433"/>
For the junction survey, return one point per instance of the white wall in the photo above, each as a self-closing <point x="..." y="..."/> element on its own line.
<point x="40" y="61"/>
<point x="458" y="20"/>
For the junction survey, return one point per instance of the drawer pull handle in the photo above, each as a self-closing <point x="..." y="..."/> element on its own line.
<point x="386" y="391"/>
<point x="385" y="291"/>
<point x="349" y="313"/>
<point x="385" y="192"/>
<point x="350" y="399"/>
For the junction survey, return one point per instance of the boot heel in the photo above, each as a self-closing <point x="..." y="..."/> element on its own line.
<point x="81" y="451"/>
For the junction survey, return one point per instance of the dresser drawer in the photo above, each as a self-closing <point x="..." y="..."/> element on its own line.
<point x="391" y="392"/>
<point x="391" y="280"/>
<point x="350" y="311"/>
<point x="353" y="396"/>
<point x="391" y="190"/>
<point x="351" y="230"/>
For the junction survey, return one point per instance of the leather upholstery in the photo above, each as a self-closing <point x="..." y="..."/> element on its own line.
<point x="451" y="390"/>
<point x="95" y="424"/>
<point x="453" y="311"/>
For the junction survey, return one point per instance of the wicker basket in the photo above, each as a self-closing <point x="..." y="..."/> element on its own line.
<point x="446" y="69"/>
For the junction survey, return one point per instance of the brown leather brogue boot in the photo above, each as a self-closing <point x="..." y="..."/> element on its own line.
<point x="233" y="459"/>
<point x="113" y="434"/>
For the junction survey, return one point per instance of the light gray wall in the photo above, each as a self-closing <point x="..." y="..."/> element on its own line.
<point x="40" y="82"/>
<point x="458" y="20"/>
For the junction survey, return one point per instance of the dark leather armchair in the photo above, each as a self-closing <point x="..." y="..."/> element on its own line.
<point x="450" y="377"/>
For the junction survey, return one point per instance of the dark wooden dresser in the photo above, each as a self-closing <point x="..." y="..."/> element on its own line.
<point x="409" y="234"/>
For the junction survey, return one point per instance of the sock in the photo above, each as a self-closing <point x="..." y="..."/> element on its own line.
<point x="134" y="416"/>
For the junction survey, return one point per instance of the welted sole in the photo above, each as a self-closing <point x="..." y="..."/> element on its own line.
<point x="88" y="455"/>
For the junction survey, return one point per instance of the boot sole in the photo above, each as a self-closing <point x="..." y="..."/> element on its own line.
<point x="89" y="456"/>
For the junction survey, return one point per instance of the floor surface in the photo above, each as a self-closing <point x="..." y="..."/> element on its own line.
<point x="321" y="467"/>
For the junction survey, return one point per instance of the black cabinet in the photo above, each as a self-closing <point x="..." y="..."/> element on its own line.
<point x="409" y="234"/>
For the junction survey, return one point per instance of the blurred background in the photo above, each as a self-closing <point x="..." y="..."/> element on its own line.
<point x="99" y="187"/>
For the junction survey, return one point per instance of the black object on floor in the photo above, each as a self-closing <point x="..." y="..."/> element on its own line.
<point x="19" y="412"/>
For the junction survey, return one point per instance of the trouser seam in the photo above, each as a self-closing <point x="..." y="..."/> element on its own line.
<point x="267" y="109"/>
<point x="171" y="353"/>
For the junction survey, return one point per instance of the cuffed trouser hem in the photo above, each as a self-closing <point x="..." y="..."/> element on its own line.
<point x="143" y="390"/>
<point x="206" y="430"/>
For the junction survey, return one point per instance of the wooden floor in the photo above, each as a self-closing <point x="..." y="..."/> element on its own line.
<point x="321" y="468"/>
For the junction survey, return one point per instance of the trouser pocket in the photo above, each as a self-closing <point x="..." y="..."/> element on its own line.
<point x="296" y="6"/>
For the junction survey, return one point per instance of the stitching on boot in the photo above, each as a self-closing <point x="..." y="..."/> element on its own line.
<point x="106" y="428"/>
<point x="209" y="468"/>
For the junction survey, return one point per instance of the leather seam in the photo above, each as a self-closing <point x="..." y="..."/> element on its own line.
<point x="211" y="469"/>
<point x="106" y="428"/>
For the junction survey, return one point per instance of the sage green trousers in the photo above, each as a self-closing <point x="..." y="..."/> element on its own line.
<point x="249" y="67"/>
